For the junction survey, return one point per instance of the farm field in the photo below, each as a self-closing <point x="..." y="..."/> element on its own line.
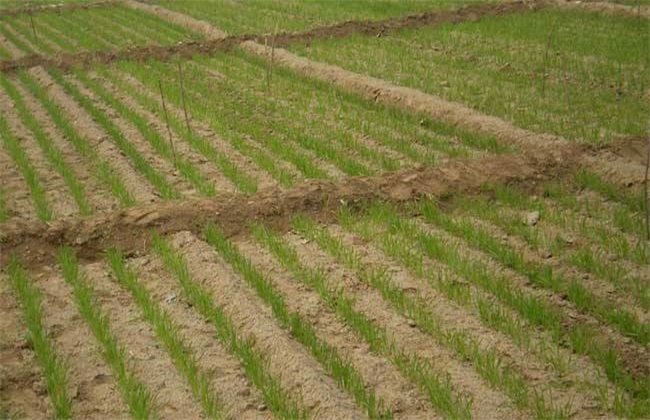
<point x="395" y="209"/>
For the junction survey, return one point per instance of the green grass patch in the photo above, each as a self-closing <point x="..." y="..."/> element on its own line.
<point x="138" y="398"/>
<point x="54" y="370"/>
<point x="254" y="364"/>
<point x="574" y="73"/>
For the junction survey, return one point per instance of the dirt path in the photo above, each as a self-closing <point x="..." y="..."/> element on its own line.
<point x="142" y="191"/>
<point x="22" y="390"/>
<point x="322" y="199"/>
<point x="297" y="372"/>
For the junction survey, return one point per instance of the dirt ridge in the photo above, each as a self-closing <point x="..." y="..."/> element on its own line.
<point x="57" y="7"/>
<point x="38" y="241"/>
<point x="219" y="40"/>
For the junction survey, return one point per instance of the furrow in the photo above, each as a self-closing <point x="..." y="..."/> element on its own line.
<point x="57" y="193"/>
<point x="241" y="399"/>
<point x="142" y="191"/>
<point x="96" y="197"/>
<point x="288" y="361"/>
<point x="22" y="391"/>
<point x="16" y="195"/>
<point x="94" y="390"/>
<point x="146" y="357"/>
<point x="400" y="396"/>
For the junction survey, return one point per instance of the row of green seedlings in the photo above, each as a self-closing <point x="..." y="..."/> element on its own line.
<point x="387" y="124"/>
<point x="487" y="362"/>
<point x="589" y="257"/>
<point x="540" y="274"/>
<point x="50" y="150"/>
<point x="291" y="106"/>
<point x="101" y="169"/>
<point x="140" y="401"/>
<point x="402" y="235"/>
<point x="182" y="129"/>
<point x="49" y="32"/>
<point x="247" y="107"/>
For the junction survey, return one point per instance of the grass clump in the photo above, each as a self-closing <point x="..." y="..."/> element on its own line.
<point x="54" y="370"/>
<point x="102" y="169"/>
<point x="156" y="179"/>
<point x="167" y="332"/>
<point x="137" y="397"/>
<point x="340" y="369"/>
<point x="252" y="361"/>
<point x="437" y="389"/>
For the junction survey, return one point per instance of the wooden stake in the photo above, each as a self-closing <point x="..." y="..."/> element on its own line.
<point x="31" y="19"/>
<point x="645" y="192"/>
<point x="169" y="131"/>
<point x="180" y="78"/>
<point x="548" y="47"/>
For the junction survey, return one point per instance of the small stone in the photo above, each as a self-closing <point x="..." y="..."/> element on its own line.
<point x="261" y="407"/>
<point x="546" y="254"/>
<point x="532" y="218"/>
<point x="411" y="323"/>
<point x="170" y="297"/>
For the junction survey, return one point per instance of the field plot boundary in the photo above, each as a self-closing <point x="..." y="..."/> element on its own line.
<point x="218" y="40"/>
<point x="57" y="7"/>
<point x="233" y="212"/>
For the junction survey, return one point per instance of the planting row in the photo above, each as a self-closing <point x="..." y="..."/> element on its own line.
<point x="382" y="314"/>
<point x="578" y="74"/>
<point x="263" y="16"/>
<point x="100" y="28"/>
<point x="107" y="138"/>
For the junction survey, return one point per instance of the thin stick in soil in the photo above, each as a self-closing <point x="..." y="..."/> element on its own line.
<point x="169" y="131"/>
<point x="180" y="79"/>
